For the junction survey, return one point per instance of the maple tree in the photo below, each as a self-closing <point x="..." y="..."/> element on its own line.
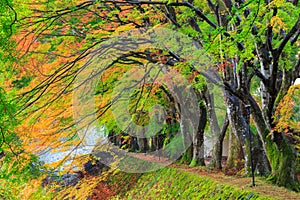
<point x="251" y="46"/>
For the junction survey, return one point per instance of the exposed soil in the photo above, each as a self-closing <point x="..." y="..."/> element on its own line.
<point x="103" y="191"/>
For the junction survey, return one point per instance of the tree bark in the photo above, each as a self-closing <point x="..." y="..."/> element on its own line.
<point x="235" y="154"/>
<point x="285" y="174"/>
<point x="216" y="160"/>
<point x="213" y="125"/>
<point x="198" y="139"/>
<point x="279" y="151"/>
<point x="240" y="128"/>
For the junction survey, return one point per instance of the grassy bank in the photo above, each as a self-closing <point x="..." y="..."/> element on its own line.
<point x="172" y="183"/>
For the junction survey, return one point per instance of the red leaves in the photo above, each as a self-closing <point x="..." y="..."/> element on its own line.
<point x="223" y="65"/>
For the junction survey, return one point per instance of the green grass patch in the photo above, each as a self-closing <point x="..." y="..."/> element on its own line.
<point x="170" y="183"/>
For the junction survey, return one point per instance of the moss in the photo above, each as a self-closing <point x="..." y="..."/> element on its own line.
<point x="193" y="163"/>
<point x="187" y="156"/>
<point x="170" y="183"/>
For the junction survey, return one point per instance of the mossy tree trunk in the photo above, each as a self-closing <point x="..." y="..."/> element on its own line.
<point x="281" y="154"/>
<point x="285" y="174"/>
<point x="235" y="154"/>
<point x="187" y="156"/>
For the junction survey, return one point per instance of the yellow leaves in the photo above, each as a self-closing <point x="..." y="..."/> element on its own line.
<point x="43" y="47"/>
<point x="46" y="129"/>
<point x="30" y="189"/>
<point x="277" y="24"/>
<point x="287" y="114"/>
<point x="124" y="28"/>
<point x="276" y="3"/>
<point x="98" y="33"/>
<point x="84" y="188"/>
<point x="159" y="26"/>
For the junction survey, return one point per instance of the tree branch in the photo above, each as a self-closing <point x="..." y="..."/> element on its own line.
<point x="295" y="28"/>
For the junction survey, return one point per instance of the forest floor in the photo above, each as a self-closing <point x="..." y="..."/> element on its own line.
<point x="105" y="191"/>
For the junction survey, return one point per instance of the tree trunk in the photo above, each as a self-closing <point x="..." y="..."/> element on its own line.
<point x="285" y="174"/>
<point x="240" y="128"/>
<point x="187" y="156"/>
<point x="264" y="129"/>
<point x="235" y="154"/>
<point x="198" y="139"/>
<point x="280" y="152"/>
<point x="154" y="142"/>
<point x="216" y="160"/>
<point x="189" y="118"/>
<point x="214" y="127"/>
<point x="143" y="144"/>
<point x="264" y="54"/>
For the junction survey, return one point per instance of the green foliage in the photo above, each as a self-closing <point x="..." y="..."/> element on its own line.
<point x="17" y="167"/>
<point x="7" y="18"/>
<point x="7" y="119"/>
<point x="23" y="82"/>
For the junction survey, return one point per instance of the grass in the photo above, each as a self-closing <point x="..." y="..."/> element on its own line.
<point x="174" y="183"/>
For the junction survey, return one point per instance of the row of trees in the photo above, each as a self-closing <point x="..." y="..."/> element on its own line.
<point x="252" y="48"/>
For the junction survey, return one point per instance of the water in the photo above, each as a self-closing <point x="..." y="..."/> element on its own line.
<point x="92" y="137"/>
